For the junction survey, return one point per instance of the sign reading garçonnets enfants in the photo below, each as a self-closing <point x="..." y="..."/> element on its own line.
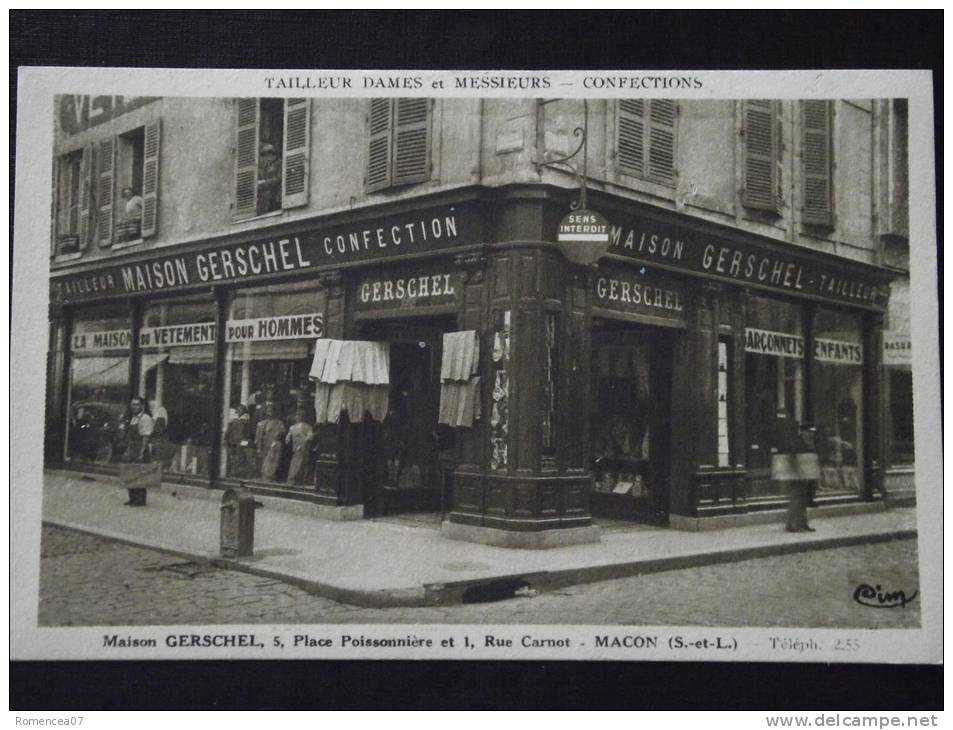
<point x="583" y="236"/>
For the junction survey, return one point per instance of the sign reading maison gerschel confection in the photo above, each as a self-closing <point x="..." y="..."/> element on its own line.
<point x="777" y="267"/>
<point x="638" y="292"/>
<point x="427" y="230"/>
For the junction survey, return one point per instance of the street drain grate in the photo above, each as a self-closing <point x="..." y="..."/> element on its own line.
<point x="497" y="590"/>
<point x="189" y="569"/>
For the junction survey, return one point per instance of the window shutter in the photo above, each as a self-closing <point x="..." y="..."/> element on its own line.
<point x="630" y="136"/>
<point x="85" y="202"/>
<point x="816" y="163"/>
<point x="54" y="205"/>
<point x="296" y="158"/>
<point x="411" y="141"/>
<point x="150" y="180"/>
<point x="761" y="185"/>
<point x="246" y="159"/>
<point x="379" y="123"/>
<point x="662" y="116"/>
<point x="106" y="190"/>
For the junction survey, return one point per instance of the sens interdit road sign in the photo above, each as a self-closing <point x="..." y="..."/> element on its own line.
<point x="583" y="236"/>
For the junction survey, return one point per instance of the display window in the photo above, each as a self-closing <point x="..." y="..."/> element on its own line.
<point x="837" y="378"/>
<point x="269" y="419"/>
<point x="98" y="386"/>
<point x="774" y="385"/>
<point x="177" y="381"/>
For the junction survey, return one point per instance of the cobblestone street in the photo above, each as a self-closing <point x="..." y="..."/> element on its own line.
<point x="87" y="580"/>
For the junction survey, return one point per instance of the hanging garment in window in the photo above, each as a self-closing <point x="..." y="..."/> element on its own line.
<point x="351" y="376"/>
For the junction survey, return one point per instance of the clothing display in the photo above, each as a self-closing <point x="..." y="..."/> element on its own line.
<point x="459" y="389"/>
<point x="269" y="437"/>
<point x="352" y="376"/>
<point x="299" y="437"/>
<point x="460" y="403"/>
<point x="241" y="451"/>
<point x="461" y="355"/>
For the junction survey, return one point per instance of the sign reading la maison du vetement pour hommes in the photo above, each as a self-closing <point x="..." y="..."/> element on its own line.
<point x="427" y="230"/>
<point x="303" y="326"/>
<point x="777" y="267"/>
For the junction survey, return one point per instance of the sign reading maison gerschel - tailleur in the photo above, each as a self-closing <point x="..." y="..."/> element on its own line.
<point x="583" y="236"/>
<point x="763" y="264"/>
<point x="427" y="230"/>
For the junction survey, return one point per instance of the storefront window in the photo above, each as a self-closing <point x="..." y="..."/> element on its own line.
<point x="550" y="379"/>
<point x="899" y="399"/>
<point x="837" y="384"/>
<point x="774" y="384"/>
<point x="177" y="377"/>
<point x="98" y="385"/>
<point x="269" y="419"/>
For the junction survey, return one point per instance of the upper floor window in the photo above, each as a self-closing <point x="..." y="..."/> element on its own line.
<point x="761" y="129"/>
<point x="108" y="191"/>
<point x="399" y="140"/>
<point x="646" y="139"/>
<point x="272" y="155"/>
<point x="817" y="162"/>
<point x="895" y="205"/>
<point x="71" y="203"/>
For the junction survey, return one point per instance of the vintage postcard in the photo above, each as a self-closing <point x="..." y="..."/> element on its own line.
<point x="475" y="365"/>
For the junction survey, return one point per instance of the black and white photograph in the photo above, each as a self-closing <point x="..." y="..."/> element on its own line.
<point x="357" y="364"/>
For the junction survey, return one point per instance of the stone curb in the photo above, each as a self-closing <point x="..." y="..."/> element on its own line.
<point x="431" y="594"/>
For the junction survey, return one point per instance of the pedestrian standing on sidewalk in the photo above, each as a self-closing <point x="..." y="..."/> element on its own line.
<point x="141" y="425"/>
<point x="787" y="444"/>
<point x="808" y="472"/>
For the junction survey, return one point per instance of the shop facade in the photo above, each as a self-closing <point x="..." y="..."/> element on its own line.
<point x="644" y="388"/>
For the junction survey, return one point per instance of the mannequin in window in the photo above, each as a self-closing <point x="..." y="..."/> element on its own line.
<point x="300" y="437"/>
<point x="238" y="440"/>
<point x="269" y="441"/>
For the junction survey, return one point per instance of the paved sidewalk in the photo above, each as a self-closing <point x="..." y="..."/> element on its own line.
<point x="386" y="563"/>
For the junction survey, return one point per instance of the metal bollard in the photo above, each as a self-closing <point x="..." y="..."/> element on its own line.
<point x="237" y="530"/>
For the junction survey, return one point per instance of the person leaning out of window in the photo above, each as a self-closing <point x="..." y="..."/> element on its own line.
<point x="130" y="223"/>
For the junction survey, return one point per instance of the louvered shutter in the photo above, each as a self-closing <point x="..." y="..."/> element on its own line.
<point x="761" y="185"/>
<point x="662" y="116"/>
<point x="150" y="180"/>
<point x="411" y="141"/>
<point x="816" y="163"/>
<point x="630" y="136"/>
<point x="296" y="159"/>
<point x="105" y="193"/>
<point x="379" y="124"/>
<point x="54" y="206"/>
<point x="85" y="191"/>
<point x="246" y="158"/>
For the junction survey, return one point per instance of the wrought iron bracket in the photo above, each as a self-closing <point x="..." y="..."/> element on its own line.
<point x="564" y="164"/>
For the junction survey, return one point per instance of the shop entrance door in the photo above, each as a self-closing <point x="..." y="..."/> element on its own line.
<point x="630" y="421"/>
<point x="409" y="476"/>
